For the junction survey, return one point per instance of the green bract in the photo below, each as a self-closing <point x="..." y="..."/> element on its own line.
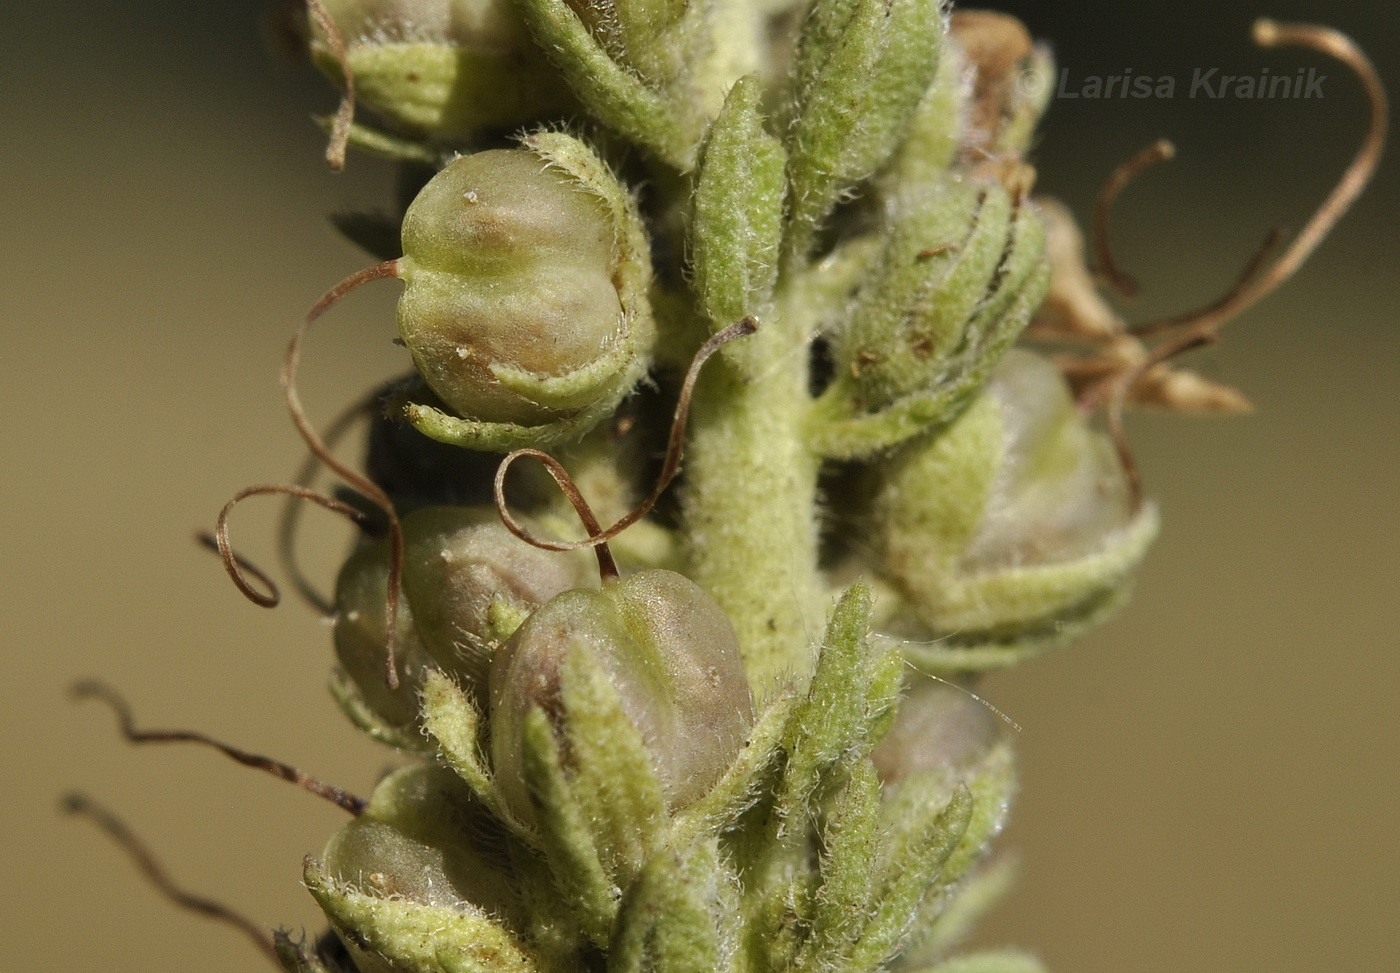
<point x="957" y="257"/>
<point x="738" y="211"/>
<point x="961" y="271"/>
<point x="861" y="68"/>
<point x="654" y="71"/>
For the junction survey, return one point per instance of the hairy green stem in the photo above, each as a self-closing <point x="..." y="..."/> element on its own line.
<point x="750" y="508"/>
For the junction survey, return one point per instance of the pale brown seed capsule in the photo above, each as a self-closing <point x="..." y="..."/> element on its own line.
<point x="508" y="265"/>
<point x="470" y="583"/>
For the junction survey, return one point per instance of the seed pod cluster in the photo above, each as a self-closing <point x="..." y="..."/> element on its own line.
<point x="698" y="756"/>
<point x="606" y="712"/>
<point x="615" y="733"/>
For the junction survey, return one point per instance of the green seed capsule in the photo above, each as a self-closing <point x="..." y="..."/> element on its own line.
<point x="441" y="68"/>
<point x="361" y="639"/>
<point x="1015" y="523"/>
<point x="525" y="299"/>
<point x="470" y="583"/>
<point x="424" y="839"/>
<point x="421" y="838"/>
<point x="506" y="263"/>
<point x="669" y="653"/>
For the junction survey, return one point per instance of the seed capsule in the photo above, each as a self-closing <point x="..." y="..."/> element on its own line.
<point x="506" y="264"/>
<point x="525" y="304"/>
<point x="470" y="583"/>
<point x="1016" y="521"/>
<point x="669" y="653"/>
<point x="420" y="838"/>
<point x="442" y="68"/>
<point x="525" y="307"/>
<point x="362" y="634"/>
<point x="424" y="839"/>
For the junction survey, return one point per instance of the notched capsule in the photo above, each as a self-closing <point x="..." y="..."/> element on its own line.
<point x="525" y="308"/>
<point x="1013" y="526"/>
<point x="424" y="837"/>
<point x="424" y="853"/>
<point x="440" y="68"/>
<point x="471" y="583"/>
<point x="361" y="636"/>
<point x="668" y="652"/>
<point x="505" y="264"/>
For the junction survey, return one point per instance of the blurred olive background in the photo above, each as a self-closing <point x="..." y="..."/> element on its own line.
<point x="1210" y="783"/>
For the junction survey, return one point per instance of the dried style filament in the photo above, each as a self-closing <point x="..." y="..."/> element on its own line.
<point x="1252" y="270"/>
<point x="92" y="689"/>
<point x="361" y="484"/>
<point x="1158" y="152"/>
<point x="1112" y="376"/>
<point x="607" y="566"/>
<point x="237" y="566"/>
<point x="240" y="568"/>
<point x="290" y="520"/>
<point x="345" y="112"/>
<point x="675" y="447"/>
<point x="116" y="829"/>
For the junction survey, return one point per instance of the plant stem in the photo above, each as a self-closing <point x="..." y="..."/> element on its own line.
<point x="750" y="509"/>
